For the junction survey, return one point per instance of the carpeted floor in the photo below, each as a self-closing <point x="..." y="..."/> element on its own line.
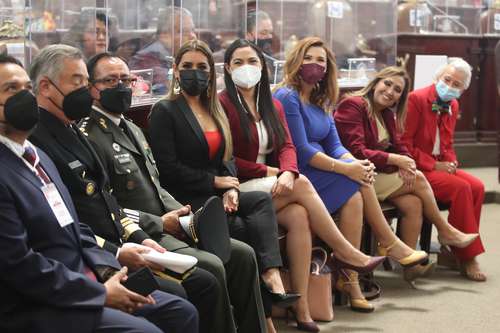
<point x="444" y="302"/>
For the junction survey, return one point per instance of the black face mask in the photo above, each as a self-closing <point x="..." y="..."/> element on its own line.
<point x="21" y="111"/>
<point x="266" y="45"/>
<point x="76" y="104"/>
<point x="193" y="81"/>
<point x="117" y="99"/>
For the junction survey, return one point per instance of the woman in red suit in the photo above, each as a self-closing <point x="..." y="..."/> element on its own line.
<point x="370" y="129"/>
<point x="266" y="161"/>
<point x="430" y="126"/>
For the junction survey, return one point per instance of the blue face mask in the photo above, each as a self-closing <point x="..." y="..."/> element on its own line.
<point x="445" y="92"/>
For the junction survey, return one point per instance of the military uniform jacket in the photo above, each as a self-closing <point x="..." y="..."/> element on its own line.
<point x="87" y="181"/>
<point x="133" y="175"/>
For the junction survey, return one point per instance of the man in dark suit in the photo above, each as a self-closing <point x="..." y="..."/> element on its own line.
<point x="54" y="276"/>
<point x="129" y="162"/>
<point x="60" y="83"/>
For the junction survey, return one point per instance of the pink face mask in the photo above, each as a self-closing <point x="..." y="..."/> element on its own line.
<point x="312" y="73"/>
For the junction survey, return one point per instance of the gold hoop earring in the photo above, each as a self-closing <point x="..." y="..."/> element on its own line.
<point x="177" y="87"/>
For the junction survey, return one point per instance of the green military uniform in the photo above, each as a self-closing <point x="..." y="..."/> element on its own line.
<point x="134" y="179"/>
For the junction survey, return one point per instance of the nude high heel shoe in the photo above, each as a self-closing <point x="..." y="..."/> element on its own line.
<point x="468" y="239"/>
<point x="410" y="274"/>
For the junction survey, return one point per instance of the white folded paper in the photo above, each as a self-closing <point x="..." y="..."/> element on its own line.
<point x="179" y="263"/>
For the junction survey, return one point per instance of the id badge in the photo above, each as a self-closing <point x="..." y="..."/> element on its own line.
<point x="57" y="205"/>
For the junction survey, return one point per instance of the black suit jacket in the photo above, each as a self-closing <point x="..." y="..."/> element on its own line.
<point x="42" y="283"/>
<point x="182" y="155"/>
<point x="86" y="179"/>
<point x="133" y="174"/>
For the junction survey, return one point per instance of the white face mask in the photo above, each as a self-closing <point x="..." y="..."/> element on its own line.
<point x="246" y="76"/>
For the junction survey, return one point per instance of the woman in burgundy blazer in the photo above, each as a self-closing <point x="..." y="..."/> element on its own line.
<point x="369" y="129"/>
<point x="254" y="118"/>
<point x="283" y="158"/>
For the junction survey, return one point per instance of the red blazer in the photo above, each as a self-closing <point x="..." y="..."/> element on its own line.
<point x="284" y="158"/>
<point x="420" y="130"/>
<point x="358" y="133"/>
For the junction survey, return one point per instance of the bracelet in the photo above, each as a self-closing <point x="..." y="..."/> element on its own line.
<point x="333" y="166"/>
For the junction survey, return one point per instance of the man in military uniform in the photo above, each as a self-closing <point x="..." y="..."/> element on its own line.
<point x="60" y="83"/>
<point x="131" y="167"/>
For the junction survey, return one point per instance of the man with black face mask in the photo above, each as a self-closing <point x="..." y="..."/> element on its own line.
<point x="126" y="157"/>
<point x="260" y="31"/>
<point x="60" y="84"/>
<point x="54" y="274"/>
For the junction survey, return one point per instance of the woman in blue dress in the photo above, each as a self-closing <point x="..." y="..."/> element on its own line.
<point x="308" y="93"/>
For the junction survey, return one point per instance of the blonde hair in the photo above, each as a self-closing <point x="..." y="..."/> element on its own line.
<point x="326" y="92"/>
<point x="209" y="99"/>
<point x="367" y="92"/>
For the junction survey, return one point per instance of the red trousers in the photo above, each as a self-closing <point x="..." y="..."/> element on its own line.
<point x="464" y="194"/>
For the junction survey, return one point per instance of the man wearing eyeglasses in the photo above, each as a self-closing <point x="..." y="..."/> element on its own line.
<point x="61" y="86"/>
<point x="129" y="162"/>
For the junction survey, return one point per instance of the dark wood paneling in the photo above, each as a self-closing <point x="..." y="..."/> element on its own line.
<point x="489" y="101"/>
<point x="466" y="47"/>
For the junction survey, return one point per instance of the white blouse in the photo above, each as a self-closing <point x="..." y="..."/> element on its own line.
<point x="263" y="142"/>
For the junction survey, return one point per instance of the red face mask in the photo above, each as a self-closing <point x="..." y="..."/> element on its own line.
<point x="312" y="73"/>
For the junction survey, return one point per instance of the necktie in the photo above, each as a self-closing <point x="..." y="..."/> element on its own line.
<point x="124" y="127"/>
<point x="30" y="156"/>
<point x="126" y="130"/>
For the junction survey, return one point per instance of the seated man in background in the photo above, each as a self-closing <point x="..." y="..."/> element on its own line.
<point x="90" y="33"/>
<point x="135" y="184"/>
<point x="175" y="27"/>
<point x="54" y="276"/>
<point x="430" y="127"/>
<point x="60" y="84"/>
<point x="260" y="32"/>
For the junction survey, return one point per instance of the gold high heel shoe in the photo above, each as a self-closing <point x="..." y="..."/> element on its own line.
<point x="344" y="283"/>
<point x="410" y="274"/>
<point x="417" y="257"/>
<point x="468" y="239"/>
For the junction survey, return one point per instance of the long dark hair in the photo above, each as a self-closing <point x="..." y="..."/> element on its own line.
<point x="263" y="98"/>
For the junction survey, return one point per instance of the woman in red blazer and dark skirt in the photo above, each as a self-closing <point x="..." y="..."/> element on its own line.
<point x="266" y="160"/>
<point x="370" y="129"/>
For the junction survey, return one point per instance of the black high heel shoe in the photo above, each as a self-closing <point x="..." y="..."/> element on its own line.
<point x="284" y="300"/>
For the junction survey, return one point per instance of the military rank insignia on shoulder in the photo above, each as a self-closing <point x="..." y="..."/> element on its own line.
<point x="102" y="122"/>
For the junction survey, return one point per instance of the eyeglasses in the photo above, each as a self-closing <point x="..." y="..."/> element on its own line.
<point x="113" y="81"/>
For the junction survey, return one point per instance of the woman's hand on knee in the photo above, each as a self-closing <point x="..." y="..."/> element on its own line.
<point x="284" y="184"/>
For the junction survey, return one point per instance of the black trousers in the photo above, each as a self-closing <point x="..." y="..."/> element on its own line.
<point x="255" y="223"/>
<point x="201" y="289"/>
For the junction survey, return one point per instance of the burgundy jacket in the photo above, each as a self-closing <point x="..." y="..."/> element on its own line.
<point x="420" y="129"/>
<point x="284" y="158"/>
<point x="358" y="133"/>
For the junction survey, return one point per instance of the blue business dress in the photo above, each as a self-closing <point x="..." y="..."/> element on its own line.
<point x="314" y="131"/>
